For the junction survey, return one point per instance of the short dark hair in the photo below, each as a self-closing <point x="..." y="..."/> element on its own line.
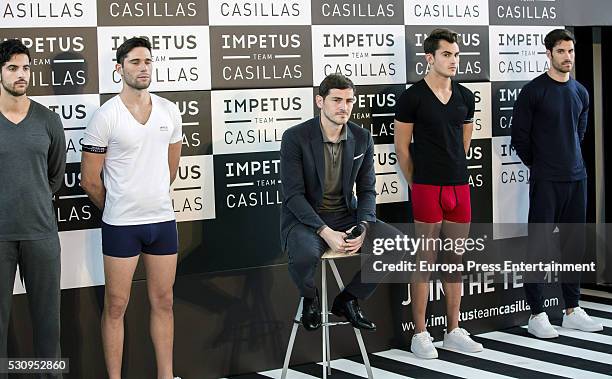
<point x="432" y="42"/>
<point x="337" y="81"/>
<point x="12" y="47"/>
<point x="129" y="45"/>
<point x="554" y="36"/>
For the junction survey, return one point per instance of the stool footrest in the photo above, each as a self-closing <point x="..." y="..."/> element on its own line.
<point x="335" y="323"/>
<point x="326" y="365"/>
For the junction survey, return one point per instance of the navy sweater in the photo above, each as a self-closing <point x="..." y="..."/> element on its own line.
<point x="548" y="125"/>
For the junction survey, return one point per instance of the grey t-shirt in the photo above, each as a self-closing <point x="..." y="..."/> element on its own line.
<point x="33" y="159"/>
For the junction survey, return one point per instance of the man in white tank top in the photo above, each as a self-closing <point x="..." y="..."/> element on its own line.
<point x="134" y="140"/>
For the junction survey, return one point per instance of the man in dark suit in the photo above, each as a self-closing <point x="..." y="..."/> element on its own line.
<point x="321" y="160"/>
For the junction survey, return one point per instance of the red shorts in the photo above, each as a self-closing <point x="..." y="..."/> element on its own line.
<point x="432" y="204"/>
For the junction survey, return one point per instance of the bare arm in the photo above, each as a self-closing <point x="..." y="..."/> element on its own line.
<point x="403" y="138"/>
<point x="91" y="182"/>
<point x="467" y="136"/>
<point x="174" y="157"/>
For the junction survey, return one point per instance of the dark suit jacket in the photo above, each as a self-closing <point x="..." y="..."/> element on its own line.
<point x="303" y="172"/>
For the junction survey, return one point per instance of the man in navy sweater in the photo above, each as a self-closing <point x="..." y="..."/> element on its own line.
<point x="548" y="125"/>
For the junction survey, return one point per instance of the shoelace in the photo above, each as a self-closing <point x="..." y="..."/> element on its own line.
<point x="462" y="331"/>
<point x="580" y="312"/>
<point x="424" y="337"/>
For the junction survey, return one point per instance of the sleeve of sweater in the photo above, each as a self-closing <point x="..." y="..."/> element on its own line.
<point x="522" y="122"/>
<point x="583" y="119"/>
<point x="56" y="159"/>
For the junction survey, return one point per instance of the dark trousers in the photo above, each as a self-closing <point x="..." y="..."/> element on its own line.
<point x="305" y="249"/>
<point x="39" y="264"/>
<point x="561" y="205"/>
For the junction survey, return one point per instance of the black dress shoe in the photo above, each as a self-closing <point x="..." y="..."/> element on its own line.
<point x="353" y="313"/>
<point x="311" y="314"/>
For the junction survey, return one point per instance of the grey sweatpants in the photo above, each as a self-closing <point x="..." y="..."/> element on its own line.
<point x="39" y="263"/>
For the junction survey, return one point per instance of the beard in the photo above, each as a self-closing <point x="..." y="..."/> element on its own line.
<point x="336" y="119"/>
<point x="133" y="83"/>
<point x="559" y="66"/>
<point x="13" y="92"/>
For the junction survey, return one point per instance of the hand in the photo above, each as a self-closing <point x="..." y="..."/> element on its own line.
<point x="334" y="239"/>
<point x="353" y="245"/>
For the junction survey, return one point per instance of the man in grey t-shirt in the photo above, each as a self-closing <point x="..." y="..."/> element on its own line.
<point x="33" y="156"/>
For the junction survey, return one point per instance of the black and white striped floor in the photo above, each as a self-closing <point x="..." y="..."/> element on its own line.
<point x="510" y="353"/>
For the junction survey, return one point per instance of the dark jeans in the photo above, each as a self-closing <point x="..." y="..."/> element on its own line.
<point x="560" y="204"/>
<point x="305" y="249"/>
<point x="39" y="264"/>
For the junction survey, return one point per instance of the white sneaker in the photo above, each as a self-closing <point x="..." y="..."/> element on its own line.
<point x="580" y="320"/>
<point x="422" y="346"/>
<point x="459" y="339"/>
<point x="540" y="327"/>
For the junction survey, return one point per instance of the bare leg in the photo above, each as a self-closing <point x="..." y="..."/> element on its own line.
<point x="452" y="283"/>
<point x="419" y="288"/>
<point x="161" y="271"/>
<point x="118" y="273"/>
